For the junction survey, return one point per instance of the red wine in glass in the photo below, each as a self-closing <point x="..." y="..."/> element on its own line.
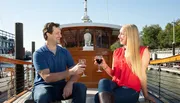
<point x="83" y="63"/>
<point x="99" y="61"/>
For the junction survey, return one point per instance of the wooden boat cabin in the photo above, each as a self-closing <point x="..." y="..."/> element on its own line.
<point x="102" y="36"/>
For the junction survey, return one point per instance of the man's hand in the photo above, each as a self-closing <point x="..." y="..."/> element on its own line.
<point x="77" y="69"/>
<point x="67" y="90"/>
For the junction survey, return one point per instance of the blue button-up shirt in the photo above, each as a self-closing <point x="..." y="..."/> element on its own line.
<point x="43" y="58"/>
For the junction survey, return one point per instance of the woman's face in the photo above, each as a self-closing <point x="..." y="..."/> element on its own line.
<point x="122" y="37"/>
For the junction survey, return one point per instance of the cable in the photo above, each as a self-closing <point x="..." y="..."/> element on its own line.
<point x="107" y="11"/>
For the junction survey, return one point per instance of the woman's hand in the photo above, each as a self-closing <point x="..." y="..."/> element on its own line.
<point x="103" y="63"/>
<point x="150" y="99"/>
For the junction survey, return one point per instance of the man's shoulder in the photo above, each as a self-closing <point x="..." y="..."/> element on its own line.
<point x="41" y="50"/>
<point x="62" y="49"/>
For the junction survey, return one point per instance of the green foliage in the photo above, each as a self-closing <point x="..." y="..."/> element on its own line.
<point x="150" y="36"/>
<point x="164" y="40"/>
<point x="115" y="45"/>
<point x="154" y="37"/>
<point x="177" y="33"/>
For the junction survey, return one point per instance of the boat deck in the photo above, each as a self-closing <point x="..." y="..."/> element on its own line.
<point x="90" y="97"/>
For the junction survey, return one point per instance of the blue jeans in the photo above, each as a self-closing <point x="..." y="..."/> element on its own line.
<point x="52" y="93"/>
<point x="121" y="94"/>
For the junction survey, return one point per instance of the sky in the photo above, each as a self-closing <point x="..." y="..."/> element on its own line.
<point x="35" y="13"/>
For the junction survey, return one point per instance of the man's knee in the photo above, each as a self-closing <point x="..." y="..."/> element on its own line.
<point x="41" y="96"/>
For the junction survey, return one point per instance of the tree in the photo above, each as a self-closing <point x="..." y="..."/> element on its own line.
<point x="115" y="45"/>
<point x="166" y="37"/>
<point x="164" y="40"/>
<point x="150" y="36"/>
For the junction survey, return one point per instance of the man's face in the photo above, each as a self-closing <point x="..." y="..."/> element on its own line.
<point x="56" y="35"/>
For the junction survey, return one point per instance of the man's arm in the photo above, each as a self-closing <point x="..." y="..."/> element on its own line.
<point x="70" y="63"/>
<point x="53" y="77"/>
<point x="74" y="78"/>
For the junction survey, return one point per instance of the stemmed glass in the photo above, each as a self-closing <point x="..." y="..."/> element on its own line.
<point x="83" y="62"/>
<point x="99" y="61"/>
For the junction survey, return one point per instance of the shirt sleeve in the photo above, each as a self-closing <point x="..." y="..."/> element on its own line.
<point x="39" y="61"/>
<point x="142" y="50"/>
<point x="70" y="61"/>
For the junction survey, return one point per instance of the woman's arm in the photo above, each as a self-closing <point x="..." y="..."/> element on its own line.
<point x="107" y="68"/>
<point x="104" y="65"/>
<point x="145" y="63"/>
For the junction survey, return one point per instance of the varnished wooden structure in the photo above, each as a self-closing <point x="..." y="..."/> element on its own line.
<point x="92" y="78"/>
<point x="103" y="36"/>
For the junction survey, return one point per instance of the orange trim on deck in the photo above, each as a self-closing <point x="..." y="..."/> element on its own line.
<point x="174" y="58"/>
<point x="17" y="96"/>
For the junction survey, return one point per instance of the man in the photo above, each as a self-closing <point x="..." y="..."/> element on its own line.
<point x="50" y="62"/>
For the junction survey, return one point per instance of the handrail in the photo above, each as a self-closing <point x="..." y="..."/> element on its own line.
<point x="13" y="61"/>
<point x="159" y="84"/>
<point x="9" y="93"/>
<point x="174" y="58"/>
<point x="17" y="96"/>
<point x="164" y="84"/>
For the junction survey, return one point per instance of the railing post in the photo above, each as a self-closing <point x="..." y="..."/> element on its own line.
<point x="159" y="70"/>
<point x="19" y="55"/>
<point x="173" y="48"/>
<point x="33" y="49"/>
<point x="9" y="90"/>
<point x="27" y="76"/>
<point x="14" y="82"/>
<point x="32" y="76"/>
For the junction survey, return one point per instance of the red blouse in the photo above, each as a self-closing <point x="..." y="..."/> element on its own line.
<point x="121" y="73"/>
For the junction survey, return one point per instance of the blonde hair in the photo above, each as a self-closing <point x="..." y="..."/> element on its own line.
<point x="133" y="48"/>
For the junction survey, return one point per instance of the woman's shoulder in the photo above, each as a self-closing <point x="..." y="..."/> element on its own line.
<point x="118" y="50"/>
<point x="142" y="48"/>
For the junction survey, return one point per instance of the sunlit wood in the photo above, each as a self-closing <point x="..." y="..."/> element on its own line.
<point x="12" y="61"/>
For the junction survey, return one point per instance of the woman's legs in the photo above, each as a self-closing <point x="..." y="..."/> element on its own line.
<point x="125" y="95"/>
<point x="105" y="85"/>
<point x="121" y="94"/>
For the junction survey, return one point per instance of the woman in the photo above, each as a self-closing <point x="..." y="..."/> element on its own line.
<point x="128" y="70"/>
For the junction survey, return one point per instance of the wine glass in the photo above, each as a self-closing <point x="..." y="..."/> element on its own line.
<point x="99" y="61"/>
<point x="83" y="62"/>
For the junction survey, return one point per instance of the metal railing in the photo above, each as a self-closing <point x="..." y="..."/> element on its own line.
<point x="9" y="81"/>
<point x="164" y="84"/>
<point x="6" y="35"/>
<point x="164" y="49"/>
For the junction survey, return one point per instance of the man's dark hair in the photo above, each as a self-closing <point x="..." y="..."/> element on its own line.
<point x="48" y="28"/>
